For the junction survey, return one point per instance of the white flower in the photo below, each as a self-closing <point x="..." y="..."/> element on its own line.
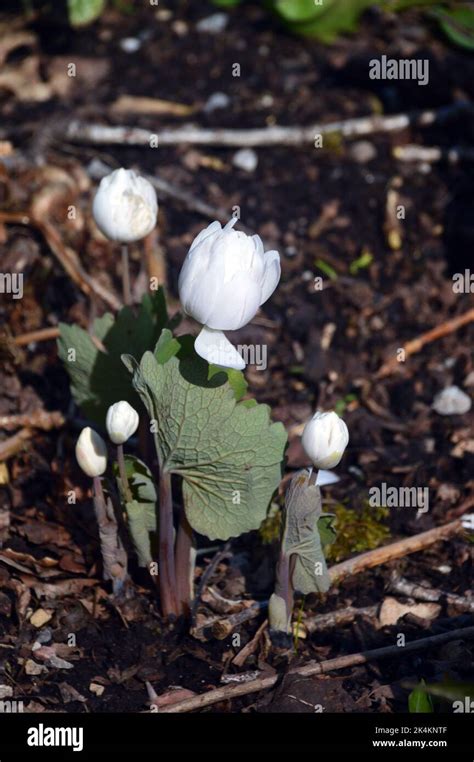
<point x="324" y="440"/>
<point x="125" y="206"/>
<point x="121" y="422"/>
<point x="225" y="278"/>
<point x="91" y="452"/>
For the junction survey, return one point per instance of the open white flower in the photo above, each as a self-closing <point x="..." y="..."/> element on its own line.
<point x="121" y="421"/>
<point x="125" y="206"/>
<point x="324" y="439"/>
<point x="91" y="452"/>
<point x="225" y="278"/>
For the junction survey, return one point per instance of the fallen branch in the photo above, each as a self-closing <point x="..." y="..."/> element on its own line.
<point x="38" y="419"/>
<point x="337" y="618"/>
<point x="102" y="134"/>
<point x="15" y="444"/>
<point x="415" y="345"/>
<point x="432" y="154"/>
<point x="221" y="628"/>
<point x="42" y="334"/>
<point x="250" y="647"/>
<point x="228" y="692"/>
<point x="395" y="550"/>
<point x="419" y="592"/>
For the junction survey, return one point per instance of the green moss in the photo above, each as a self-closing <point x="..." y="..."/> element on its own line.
<point x="270" y="528"/>
<point x="358" y="530"/>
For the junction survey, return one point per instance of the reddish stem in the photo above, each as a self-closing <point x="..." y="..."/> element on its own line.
<point x="184" y="545"/>
<point x="166" y="566"/>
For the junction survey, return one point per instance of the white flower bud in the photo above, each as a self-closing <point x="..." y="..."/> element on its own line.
<point x="324" y="439"/>
<point x="125" y="206"/>
<point x="91" y="452"/>
<point x="121" y="422"/>
<point x="225" y="278"/>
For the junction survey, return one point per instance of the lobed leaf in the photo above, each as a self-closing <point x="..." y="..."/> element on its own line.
<point x="98" y="378"/>
<point x="228" y="454"/>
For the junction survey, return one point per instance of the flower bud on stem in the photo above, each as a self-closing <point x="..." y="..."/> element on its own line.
<point x="184" y="569"/>
<point x="127" y="292"/>
<point x="167" y="574"/>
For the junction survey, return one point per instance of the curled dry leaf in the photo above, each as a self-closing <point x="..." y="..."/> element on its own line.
<point x="392" y="610"/>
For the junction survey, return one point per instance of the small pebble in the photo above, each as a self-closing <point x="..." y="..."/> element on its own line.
<point x="245" y="159"/>
<point x="452" y="401"/>
<point x="213" y="24"/>
<point x="130" y="44"/>
<point x="445" y="569"/>
<point x="216" y="101"/>
<point x="362" y="151"/>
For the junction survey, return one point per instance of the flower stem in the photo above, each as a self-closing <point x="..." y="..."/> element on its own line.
<point x="127" y="293"/>
<point x="184" y="546"/>
<point x="166" y="565"/>
<point x="123" y="474"/>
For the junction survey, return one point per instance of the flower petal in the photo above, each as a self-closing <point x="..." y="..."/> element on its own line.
<point x="214" y="347"/>
<point x="271" y="275"/>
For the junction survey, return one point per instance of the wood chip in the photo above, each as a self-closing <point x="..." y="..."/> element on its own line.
<point x="40" y="617"/>
<point x="96" y="689"/>
<point x="136" y="104"/>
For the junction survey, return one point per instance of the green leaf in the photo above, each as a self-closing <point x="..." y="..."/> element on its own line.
<point x="229" y="455"/>
<point x="401" y="5"/>
<point x="98" y="378"/>
<point x="183" y="346"/>
<point x="82" y="12"/>
<point x="300" y="10"/>
<point x="451" y="690"/>
<point x="457" y="24"/>
<point x="326" y="268"/>
<point x="226" y="3"/>
<point x="301" y="536"/>
<point x="332" y="18"/>
<point x="419" y="701"/>
<point x="235" y="378"/>
<point x="326" y="529"/>
<point x="166" y="347"/>
<point x="141" y="511"/>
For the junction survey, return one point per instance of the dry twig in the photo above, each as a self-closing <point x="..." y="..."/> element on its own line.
<point x="38" y="419"/>
<point x="419" y="592"/>
<point x="392" y="551"/>
<point x="101" y="134"/>
<point x="415" y="345"/>
<point x="228" y="692"/>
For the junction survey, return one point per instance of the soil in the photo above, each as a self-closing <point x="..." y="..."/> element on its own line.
<point x="316" y="206"/>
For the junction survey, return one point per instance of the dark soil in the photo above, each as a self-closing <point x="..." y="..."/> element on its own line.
<point x="313" y="205"/>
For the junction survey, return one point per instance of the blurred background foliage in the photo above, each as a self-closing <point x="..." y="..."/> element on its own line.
<point x="324" y="20"/>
